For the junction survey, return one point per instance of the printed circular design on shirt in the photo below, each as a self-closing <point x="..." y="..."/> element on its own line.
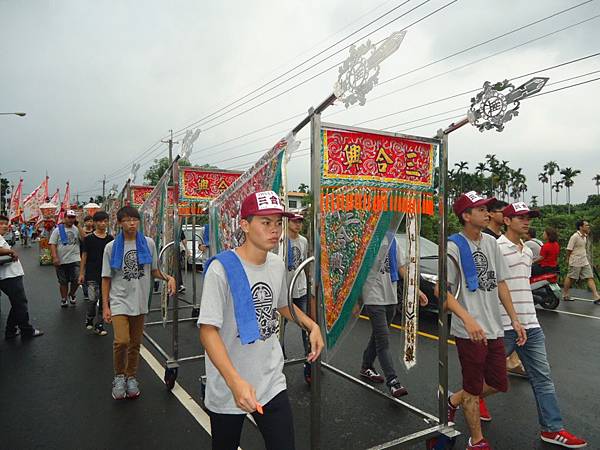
<point x="296" y="257"/>
<point x="131" y="269"/>
<point x="266" y="316"/>
<point x="385" y="267"/>
<point x="485" y="278"/>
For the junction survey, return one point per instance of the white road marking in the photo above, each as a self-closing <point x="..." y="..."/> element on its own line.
<point x="181" y="394"/>
<point x="570" y="313"/>
<point x="583" y="299"/>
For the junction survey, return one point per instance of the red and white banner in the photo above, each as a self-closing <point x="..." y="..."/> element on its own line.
<point x="31" y="204"/>
<point x="15" y="202"/>
<point x="65" y="203"/>
<point x="55" y="200"/>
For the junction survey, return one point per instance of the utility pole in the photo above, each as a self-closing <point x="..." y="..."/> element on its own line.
<point x="170" y="142"/>
<point x="103" y="187"/>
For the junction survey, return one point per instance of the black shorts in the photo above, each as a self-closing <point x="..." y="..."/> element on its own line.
<point x="68" y="273"/>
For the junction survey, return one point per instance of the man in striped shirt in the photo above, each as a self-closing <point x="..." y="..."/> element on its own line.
<point x="519" y="259"/>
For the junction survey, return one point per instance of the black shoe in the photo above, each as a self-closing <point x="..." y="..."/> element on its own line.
<point x="396" y="389"/>
<point x="181" y="289"/>
<point x="33" y="333"/>
<point x="597" y="302"/>
<point x="89" y="323"/>
<point x="11" y="334"/>
<point x="99" y="330"/>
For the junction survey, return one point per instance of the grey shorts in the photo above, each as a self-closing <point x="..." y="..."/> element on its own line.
<point x="68" y="273"/>
<point x="580" y="273"/>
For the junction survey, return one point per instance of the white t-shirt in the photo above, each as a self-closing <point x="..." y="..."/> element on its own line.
<point x="299" y="253"/>
<point x="379" y="288"/>
<point x="519" y="268"/>
<point x="259" y="363"/>
<point x="69" y="252"/>
<point x="482" y="304"/>
<point x="129" y="286"/>
<point x="10" y="269"/>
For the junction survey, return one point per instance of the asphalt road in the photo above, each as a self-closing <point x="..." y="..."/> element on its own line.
<point x="55" y="390"/>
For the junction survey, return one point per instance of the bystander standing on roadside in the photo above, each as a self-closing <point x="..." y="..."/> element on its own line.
<point x="580" y="267"/>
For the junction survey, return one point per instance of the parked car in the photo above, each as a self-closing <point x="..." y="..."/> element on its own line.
<point x="428" y="269"/>
<point x="200" y="256"/>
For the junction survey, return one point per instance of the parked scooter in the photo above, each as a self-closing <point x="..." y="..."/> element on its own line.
<point x="545" y="289"/>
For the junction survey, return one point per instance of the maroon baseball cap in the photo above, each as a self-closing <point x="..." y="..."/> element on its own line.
<point x="470" y="199"/>
<point x="520" y="209"/>
<point x="264" y="203"/>
<point x="297" y="216"/>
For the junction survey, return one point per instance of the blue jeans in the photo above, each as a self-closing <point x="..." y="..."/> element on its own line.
<point x="300" y="302"/>
<point x="380" y="317"/>
<point x="534" y="359"/>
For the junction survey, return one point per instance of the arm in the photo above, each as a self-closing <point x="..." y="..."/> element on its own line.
<point x="316" y="340"/>
<point x="9" y="251"/>
<point x="82" y="268"/>
<point x="106" y="313"/>
<point x="473" y="328"/>
<point x="506" y="300"/>
<point x="243" y="392"/>
<point x="171" y="285"/>
<point x="54" y="253"/>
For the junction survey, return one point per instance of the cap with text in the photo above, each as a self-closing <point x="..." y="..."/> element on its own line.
<point x="70" y="213"/>
<point x="264" y="203"/>
<point x="468" y="200"/>
<point x="520" y="209"/>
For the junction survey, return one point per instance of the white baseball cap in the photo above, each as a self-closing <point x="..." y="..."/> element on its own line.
<point x="70" y="213"/>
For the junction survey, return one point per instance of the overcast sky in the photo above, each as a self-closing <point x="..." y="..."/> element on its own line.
<point x="102" y="82"/>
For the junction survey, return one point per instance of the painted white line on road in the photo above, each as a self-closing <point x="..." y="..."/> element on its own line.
<point x="583" y="299"/>
<point x="570" y="313"/>
<point x="181" y="394"/>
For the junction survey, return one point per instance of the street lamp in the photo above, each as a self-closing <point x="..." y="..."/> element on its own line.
<point x="2" y="193"/>
<point x="21" y="114"/>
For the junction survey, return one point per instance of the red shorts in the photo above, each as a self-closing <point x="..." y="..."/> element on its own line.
<point x="481" y="362"/>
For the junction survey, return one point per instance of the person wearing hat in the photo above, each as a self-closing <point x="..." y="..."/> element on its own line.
<point x="533" y="355"/>
<point x="297" y="251"/>
<point x="244" y="292"/>
<point x="477" y="315"/>
<point x="64" y="246"/>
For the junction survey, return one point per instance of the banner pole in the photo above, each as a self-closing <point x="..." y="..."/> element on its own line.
<point x="315" y="387"/>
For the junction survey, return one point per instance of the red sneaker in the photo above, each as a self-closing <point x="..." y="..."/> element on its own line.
<point x="564" y="438"/>
<point x="484" y="414"/>
<point x="372" y="375"/>
<point x="451" y="413"/>
<point x="481" y="445"/>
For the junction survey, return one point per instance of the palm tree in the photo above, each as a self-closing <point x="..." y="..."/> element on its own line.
<point x="517" y="182"/>
<point x="480" y="169"/>
<point x="503" y="173"/>
<point x="543" y="178"/>
<point x="534" y="203"/>
<point x="557" y="187"/>
<point x="551" y="167"/>
<point x="492" y="165"/>
<point x="596" y="178"/>
<point x="568" y="174"/>
<point x="460" y="166"/>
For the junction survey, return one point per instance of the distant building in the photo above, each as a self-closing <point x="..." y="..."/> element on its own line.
<point x="297" y="201"/>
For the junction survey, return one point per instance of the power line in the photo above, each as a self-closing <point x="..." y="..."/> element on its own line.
<point x="199" y="122"/>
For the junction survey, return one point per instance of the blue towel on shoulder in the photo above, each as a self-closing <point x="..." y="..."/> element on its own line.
<point x="144" y="256"/>
<point x="393" y="257"/>
<point x="466" y="261"/>
<point x="63" y="234"/>
<point x="243" y="303"/>
<point x="290" y="255"/>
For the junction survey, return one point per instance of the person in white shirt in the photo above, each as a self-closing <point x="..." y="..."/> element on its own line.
<point x="11" y="283"/>
<point x="533" y="354"/>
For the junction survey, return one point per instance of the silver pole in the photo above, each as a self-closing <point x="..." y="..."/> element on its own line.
<point x="315" y="387"/>
<point x="194" y="243"/>
<point x="176" y="241"/>
<point x="442" y="278"/>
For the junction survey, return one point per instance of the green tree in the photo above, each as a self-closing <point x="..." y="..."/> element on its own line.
<point x="4" y="195"/>
<point x="557" y="186"/>
<point x="596" y="178"/>
<point x="492" y="165"/>
<point x="568" y="174"/>
<point x="543" y="178"/>
<point x="303" y="188"/>
<point x="156" y="170"/>
<point x="461" y="166"/>
<point x="551" y="167"/>
<point x="534" y="202"/>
